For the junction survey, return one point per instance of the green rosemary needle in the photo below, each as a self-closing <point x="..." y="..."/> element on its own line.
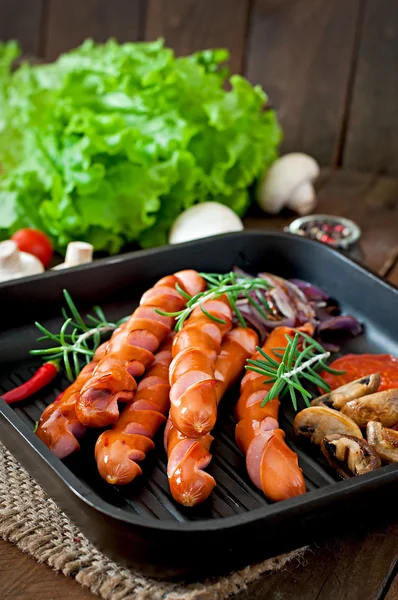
<point x="296" y="367"/>
<point x="77" y="338"/>
<point x="230" y="284"/>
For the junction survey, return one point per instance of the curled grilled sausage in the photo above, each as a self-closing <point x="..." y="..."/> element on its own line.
<point x="119" y="449"/>
<point x="187" y="457"/>
<point x="59" y="427"/>
<point x="130" y="350"/>
<point x="271" y="464"/>
<point x="128" y="353"/>
<point x="193" y="396"/>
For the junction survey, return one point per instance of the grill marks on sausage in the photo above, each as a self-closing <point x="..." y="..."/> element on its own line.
<point x="188" y="457"/>
<point x="138" y="339"/>
<point x="118" y="450"/>
<point x="59" y="427"/>
<point x="193" y="397"/>
<point x="271" y="464"/>
<point x="92" y="400"/>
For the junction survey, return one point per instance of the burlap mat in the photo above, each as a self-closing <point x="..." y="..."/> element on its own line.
<point x="30" y="519"/>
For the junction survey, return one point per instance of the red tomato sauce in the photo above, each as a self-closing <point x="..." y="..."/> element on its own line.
<point x="360" y="365"/>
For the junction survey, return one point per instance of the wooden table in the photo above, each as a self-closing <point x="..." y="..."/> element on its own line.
<point x="362" y="564"/>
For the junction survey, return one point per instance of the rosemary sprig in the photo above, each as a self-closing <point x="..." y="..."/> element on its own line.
<point x="230" y="284"/>
<point x="295" y="366"/>
<point x="77" y="338"/>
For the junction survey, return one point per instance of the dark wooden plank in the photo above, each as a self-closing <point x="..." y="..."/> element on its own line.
<point x="22" y="578"/>
<point x="372" y="136"/>
<point x="70" y="23"/>
<point x="301" y="51"/>
<point x="371" y="201"/>
<point x="377" y="214"/>
<point x="342" y="190"/>
<point x="21" y="20"/>
<point x="189" y="25"/>
<point x="393" y="591"/>
<point x="349" y="568"/>
<point x="393" y="274"/>
<point x="339" y="569"/>
<point x="337" y="191"/>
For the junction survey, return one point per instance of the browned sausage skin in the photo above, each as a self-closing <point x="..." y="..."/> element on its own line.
<point x="92" y="399"/>
<point x="59" y="427"/>
<point x="119" y="449"/>
<point x="193" y="395"/>
<point x="130" y="352"/>
<point x="271" y="464"/>
<point x="188" y="457"/>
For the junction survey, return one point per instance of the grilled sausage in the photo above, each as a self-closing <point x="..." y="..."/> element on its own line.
<point x="59" y="427"/>
<point x="271" y="464"/>
<point x="193" y="396"/>
<point x="119" y="449"/>
<point x="187" y="457"/>
<point x="62" y="423"/>
<point x="130" y="351"/>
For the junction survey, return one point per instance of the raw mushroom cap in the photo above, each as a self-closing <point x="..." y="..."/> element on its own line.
<point x="350" y="391"/>
<point x="349" y="455"/>
<point x="204" y="220"/>
<point x="382" y="406"/>
<point x="15" y="264"/>
<point x="288" y="182"/>
<point x="316" y="422"/>
<point x="384" y="441"/>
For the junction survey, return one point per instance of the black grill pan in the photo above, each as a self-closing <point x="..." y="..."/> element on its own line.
<point x="140" y="525"/>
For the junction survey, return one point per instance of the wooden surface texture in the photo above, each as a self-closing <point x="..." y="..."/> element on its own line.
<point x="329" y="66"/>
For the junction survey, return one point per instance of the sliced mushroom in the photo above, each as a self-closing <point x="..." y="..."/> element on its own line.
<point x="318" y="421"/>
<point x="384" y="441"/>
<point x="382" y="406"/>
<point x="350" y="391"/>
<point x="349" y="455"/>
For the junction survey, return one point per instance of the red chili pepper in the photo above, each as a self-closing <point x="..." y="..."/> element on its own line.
<point x="40" y="379"/>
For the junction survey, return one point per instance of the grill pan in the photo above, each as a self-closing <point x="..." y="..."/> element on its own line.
<point x="140" y="525"/>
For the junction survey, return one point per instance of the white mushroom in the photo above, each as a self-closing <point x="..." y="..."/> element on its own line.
<point x="340" y="396"/>
<point x="77" y="253"/>
<point x="349" y="455"/>
<point x="317" y="421"/>
<point x="383" y="440"/>
<point x="204" y="220"/>
<point x="289" y="182"/>
<point x="381" y="406"/>
<point x="15" y="264"/>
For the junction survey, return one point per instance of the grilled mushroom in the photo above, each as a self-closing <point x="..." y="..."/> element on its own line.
<point x="318" y="421"/>
<point x="384" y="441"/>
<point x="349" y="455"/>
<point x="350" y="391"/>
<point x="382" y="406"/>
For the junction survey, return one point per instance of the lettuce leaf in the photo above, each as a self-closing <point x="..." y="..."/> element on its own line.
<point x="112" y="141"/>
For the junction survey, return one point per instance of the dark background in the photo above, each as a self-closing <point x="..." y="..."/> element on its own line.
<point x="329" y="66"/>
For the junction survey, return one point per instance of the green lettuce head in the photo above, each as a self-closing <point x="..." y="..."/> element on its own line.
<point x="112" y="141"/>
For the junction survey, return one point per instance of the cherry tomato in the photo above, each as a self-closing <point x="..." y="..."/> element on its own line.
<point x="360" y="365"/>
<point x="34" y="242"/>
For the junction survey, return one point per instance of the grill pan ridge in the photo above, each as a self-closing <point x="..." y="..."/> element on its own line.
<point x="140" y="525"/>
